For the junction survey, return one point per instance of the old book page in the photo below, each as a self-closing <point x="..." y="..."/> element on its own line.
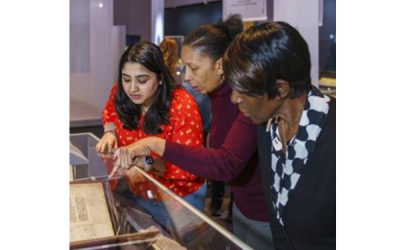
<point x="89" y="215"/>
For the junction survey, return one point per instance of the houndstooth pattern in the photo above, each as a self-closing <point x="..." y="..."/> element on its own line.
<point x="287" y="171"/>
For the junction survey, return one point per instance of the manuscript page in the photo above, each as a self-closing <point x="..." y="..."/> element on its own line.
<point x="89" y="216"/>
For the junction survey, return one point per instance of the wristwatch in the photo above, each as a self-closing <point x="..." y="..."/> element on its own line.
<point x="148" y="161"/>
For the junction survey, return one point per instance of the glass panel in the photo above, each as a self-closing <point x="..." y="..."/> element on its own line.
<point x="96" y="222"/>
<point x="86" y="142"/>
<point x="139" y="202"/>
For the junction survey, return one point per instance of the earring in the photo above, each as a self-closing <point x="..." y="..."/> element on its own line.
<point x="160" y="83"/>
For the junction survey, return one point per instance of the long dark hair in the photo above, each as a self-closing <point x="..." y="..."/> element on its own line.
<point x="213" y="39"/>
<point x="148" y="55"/>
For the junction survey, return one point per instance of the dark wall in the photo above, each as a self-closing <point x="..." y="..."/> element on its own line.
<point x="182" y="20"/>
<point x="327" y="45"/>
<point x="135" y="15"/>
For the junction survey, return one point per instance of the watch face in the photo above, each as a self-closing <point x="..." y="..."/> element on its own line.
<point x="149" y="160"/>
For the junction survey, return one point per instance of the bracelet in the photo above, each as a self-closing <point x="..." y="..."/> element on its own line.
<point x="148" y="161"/>
<point x="109" y="131"/>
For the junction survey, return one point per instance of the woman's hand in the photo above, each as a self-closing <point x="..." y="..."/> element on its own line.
<point x="128" y="156"/>
<point x="140" y="161"/>
<point x="157" y="166"/>
<point x="107" y="144"/>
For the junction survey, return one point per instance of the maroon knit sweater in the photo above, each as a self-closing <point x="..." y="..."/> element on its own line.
<point x="232" y="156"/>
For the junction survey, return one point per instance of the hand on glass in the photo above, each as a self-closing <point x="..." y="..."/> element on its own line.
<point x="128" y="156"/>
<point x="107" y="144"/>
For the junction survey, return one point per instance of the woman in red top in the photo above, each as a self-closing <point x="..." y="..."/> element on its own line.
<point x="144" y="103"/>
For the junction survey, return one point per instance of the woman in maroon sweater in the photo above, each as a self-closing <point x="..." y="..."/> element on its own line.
<point x="232" y="156"/>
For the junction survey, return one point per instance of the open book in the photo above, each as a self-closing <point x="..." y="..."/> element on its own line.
<point x="91" y="224"/>
<point x="89" y="215"/>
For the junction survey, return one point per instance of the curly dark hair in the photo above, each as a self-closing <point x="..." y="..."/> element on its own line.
<point x="148" y="55"/>
<point x="169" y="48"/>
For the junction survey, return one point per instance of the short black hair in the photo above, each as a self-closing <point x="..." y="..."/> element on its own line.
<point x="212" y="40"/>
<point x="263" y="54"/>
<point x="148" y="55"/>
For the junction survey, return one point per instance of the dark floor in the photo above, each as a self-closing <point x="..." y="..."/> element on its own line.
<point x="98" y="131"/>
<point x="225" y="204"/>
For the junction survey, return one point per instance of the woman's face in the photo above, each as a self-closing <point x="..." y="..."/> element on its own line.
<point x="201" y="71"/>
<point x="258" y="109"/>
<point x="139" y="83"/>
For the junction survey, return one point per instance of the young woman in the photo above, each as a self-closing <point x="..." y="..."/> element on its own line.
<point x="232" y="156"/>
<point x="144" y="103"/>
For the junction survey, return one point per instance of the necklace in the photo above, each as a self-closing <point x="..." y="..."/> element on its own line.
<point x="283" y="135"/>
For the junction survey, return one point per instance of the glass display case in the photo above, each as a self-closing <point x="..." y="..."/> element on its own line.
<point x="141" y="212"/>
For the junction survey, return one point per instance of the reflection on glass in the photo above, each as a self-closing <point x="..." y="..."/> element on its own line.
<point x="140" y="204"/>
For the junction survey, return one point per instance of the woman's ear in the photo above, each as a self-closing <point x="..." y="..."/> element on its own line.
<point x="218" y="65"/>
<point x="283" y="88"/>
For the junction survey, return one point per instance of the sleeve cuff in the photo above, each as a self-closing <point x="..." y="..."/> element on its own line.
<point x="171" y="151"/>
<point x="109" y="127"/>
